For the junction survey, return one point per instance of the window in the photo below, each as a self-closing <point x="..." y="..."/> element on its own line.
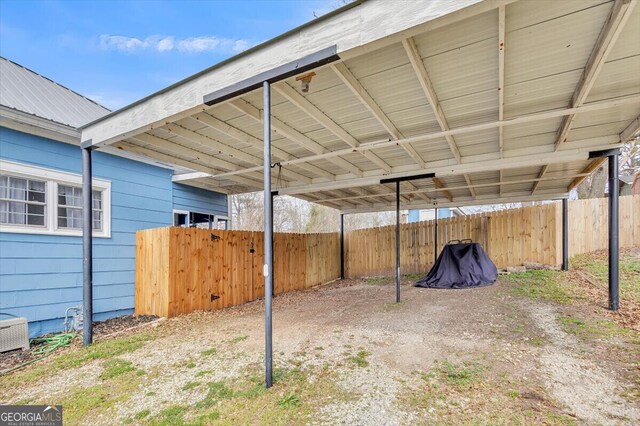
<point x="43" y="201"/>
<point x="187" y="219"/>
<point x="70" y="207"/>
<point x="22" y="201"/>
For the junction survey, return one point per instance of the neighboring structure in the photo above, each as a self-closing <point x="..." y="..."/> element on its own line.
<point x="430" y="214"/>
<point x="40" y="199"/>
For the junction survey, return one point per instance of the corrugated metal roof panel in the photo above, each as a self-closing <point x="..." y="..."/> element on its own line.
<point x="30" y="92"/>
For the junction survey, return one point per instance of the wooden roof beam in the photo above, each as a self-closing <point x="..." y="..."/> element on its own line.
<point x="293" y="135"/>
<point x="292" y="95"/>
<point x="254" y="184"/>
<point x="363" y="96"/>
<point x="611" y="30"/>
<point x="501" y="54"/>
<point x="420" y="70"/>
<point x="227" y="150"/>
<point x="242" y="136"/>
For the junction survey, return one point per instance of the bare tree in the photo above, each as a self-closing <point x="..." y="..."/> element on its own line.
<point x="594" y="186"/>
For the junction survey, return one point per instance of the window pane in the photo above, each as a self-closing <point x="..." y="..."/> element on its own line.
<point x="35" y="220"/>
<point x="15" y="212"/>
<point x="97" y="220"/>
<point x="69" y="195"/>
<point x="97" y="200"/>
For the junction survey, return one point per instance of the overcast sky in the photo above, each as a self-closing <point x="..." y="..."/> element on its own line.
<point x="116" y="52"/>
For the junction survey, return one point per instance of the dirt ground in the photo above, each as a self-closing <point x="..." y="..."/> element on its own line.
<point x="345" y="354"/>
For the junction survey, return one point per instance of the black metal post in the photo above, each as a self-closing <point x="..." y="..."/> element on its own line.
<point x="342" y="246"/>
<point x="614" y="192"/>
<point x="435" y="237"/>
<point x="565" y="234"/>
<point x="87" y="248"/>
<point x="398" y="241"/>
<point x="268" y="236"/>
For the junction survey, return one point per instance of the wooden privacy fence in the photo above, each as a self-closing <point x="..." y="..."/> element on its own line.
<point x="181" y="270"/>
<point x="510" y="237"/>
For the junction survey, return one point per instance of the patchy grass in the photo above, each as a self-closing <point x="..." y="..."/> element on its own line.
<point x="82" y="403"/>
<point x="115" y="367"/>
<point x="75" y="358"/>
<point x="238" y="339"/>
<point x="464" y="393"/>
<point x="209" y="352"/>
<point x="546" y="285"/>
<point x="191" y="364"/>
<point x="596" y="264"/>
<point x="141" y="414"/>
<point x="360" y="359"/>
<point x="391" y="279"/>
<point x="190" y="385"/>
<point x="292" y="400"/>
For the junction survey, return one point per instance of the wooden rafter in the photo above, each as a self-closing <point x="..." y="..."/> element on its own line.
<point x="406" y="194"/>
<point x="611" y="30"/>
<point x="294" y="135"/>
<point x="363" y="96"/>
<point x="314" y="112"/>
<point x="174" y="159"/>
<point x="501" y="88"/>
<point x="242" y="136"/>
<point x="427" y="86"/>
<point x="208" y="142"/>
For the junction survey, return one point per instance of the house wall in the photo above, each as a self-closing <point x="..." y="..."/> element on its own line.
<point x="41" y="275"/>
<point x="199" y="200"/>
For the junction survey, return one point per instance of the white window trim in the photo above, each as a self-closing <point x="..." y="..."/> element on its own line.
<point x="53" y="178"/>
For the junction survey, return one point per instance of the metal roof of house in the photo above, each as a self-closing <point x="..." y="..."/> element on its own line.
<point x="29" y="92"/>
<point x="503" y="100"/>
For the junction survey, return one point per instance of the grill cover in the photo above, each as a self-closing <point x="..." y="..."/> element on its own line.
<point x="461" y="266"/>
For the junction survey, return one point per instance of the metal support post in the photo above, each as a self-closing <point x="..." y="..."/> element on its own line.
<point x="398" y="241"/>
<point x="565" y="234"/>
<point x="268" y="236"/>
<point x="87" y="248"/>
<point x="614" y="192"/>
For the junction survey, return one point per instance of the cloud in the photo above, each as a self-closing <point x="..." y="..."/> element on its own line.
<point x="169" y="43"/>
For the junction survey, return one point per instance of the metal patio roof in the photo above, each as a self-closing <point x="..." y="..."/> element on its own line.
<point x="503" y="100"/>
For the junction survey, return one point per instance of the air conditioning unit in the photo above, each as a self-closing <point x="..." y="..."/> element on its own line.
<point x="14" y="334"/>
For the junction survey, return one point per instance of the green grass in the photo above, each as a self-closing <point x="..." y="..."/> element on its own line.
<point x="292" y="400"/>
<point x="191" y="364"/>
<point x="190" y="385"/>
<point x="462" y="376"/>
<point x="466" y="393"/>
<point x="115" y="367"/>
<point x="360" y="359"/>
<point x="589" y="329"/>
<point x="238" y="339"/>
<point x="597" y="264"/>
<point x="75" y="358"/>
<point x="391" y="279"/>
<point x="546" y="285"/>
<point x="141" y="414"/>
<point x="209" y="352"/>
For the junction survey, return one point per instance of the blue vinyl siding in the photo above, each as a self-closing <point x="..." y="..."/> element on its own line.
<point x="41" y="275"/>
<point x="199" y="200"/>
